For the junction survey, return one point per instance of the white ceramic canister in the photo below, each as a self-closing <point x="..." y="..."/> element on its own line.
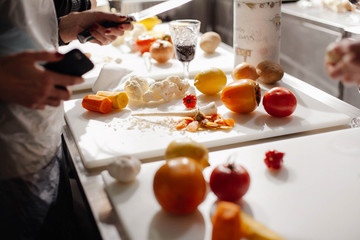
<point x="257" y="31"/>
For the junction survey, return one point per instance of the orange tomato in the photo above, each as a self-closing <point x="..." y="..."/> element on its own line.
<point x="179" y="185"/>
<point x="241" y="96"/>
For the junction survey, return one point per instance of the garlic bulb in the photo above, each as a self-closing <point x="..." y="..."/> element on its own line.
<point x="124" y="168"/>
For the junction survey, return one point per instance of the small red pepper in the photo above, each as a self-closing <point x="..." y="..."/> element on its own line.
<point x="274" y="159"/>
<point x="190" y="101"/>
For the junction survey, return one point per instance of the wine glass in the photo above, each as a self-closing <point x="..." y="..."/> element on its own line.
<point x="355" y="122"/>
<point x="184" y="35"/>
<point x="115" y="5"/>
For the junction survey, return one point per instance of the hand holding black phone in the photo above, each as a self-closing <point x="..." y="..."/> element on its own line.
<point x="74" y="63"/>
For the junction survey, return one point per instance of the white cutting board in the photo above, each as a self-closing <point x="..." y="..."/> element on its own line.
<point x="101" y="137"/>
<point x="315" y="196"/>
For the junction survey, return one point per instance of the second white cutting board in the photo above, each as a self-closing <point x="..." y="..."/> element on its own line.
<point x="314" y="196"/>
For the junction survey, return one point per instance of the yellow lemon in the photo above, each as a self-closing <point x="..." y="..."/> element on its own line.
<point x="211" y="81"/>
<point x="150" y="22"/>
<point x="186" y="147"/>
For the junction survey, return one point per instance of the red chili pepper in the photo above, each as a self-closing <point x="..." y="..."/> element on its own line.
<point x="190" y="101"/>
<point x="273" y="159"/>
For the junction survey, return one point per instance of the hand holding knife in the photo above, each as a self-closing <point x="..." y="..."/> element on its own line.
<point x="85" y="36"/>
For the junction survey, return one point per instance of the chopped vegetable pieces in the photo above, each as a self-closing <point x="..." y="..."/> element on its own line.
<point x="201" y="122"/>
<point x="119" y="99"/>
<point x="97" y="103"/>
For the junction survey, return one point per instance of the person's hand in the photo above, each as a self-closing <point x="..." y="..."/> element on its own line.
<point x="342" y="61"/>
<point x="25" y="82"/>
<point x="74" y="23"/>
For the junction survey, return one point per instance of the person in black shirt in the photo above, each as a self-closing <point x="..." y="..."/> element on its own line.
<point x="35" y="199"/>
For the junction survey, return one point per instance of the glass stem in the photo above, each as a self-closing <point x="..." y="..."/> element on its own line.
<point x="186" y="70"/>
<point x="355" y="122"/>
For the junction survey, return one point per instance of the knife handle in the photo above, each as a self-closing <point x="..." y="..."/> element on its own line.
<point x="86" y="36"/>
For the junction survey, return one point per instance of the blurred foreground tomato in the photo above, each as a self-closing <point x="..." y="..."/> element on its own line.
<point x="241" y="96"/>
<point x="229" y="182"/>
<point x="179" y="185"/>
<point x="279" y="102"/>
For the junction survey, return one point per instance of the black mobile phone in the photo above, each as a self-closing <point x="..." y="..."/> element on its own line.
<point x="73" y="63"/>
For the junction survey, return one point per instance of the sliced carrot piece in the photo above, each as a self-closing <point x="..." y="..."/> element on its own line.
<point x="97" y="103"/>
<point x="181" y="125"/>
<point x="229" y="122"/>
<point x="220" y="121"/>
<point x="227" y="222"/>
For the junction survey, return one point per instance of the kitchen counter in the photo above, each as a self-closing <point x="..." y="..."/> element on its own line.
<point x="91" y="182"/>
<point x="321" y="16"/>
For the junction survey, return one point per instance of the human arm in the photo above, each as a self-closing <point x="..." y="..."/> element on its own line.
<point x="25" y="82"/>
<point x="64" y="7"/>
<point x="346" y="66"/>
<point x="76" y="22"/>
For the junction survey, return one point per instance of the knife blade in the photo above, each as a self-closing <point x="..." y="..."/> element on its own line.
<point x="85" y="35"/>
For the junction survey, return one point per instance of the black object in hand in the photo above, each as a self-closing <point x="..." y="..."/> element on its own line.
<point x="74" y="63"/>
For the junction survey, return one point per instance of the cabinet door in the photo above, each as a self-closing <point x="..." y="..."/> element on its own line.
<point x="199" y="9"/>
<point x="303" y="47"/>
<point x="222" y="19"/>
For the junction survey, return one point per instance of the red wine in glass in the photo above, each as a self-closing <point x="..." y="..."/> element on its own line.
<point x="184" y="35"/>
<point x="185" y="53"/>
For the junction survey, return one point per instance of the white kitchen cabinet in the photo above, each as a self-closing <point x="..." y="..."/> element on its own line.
<point x="222" y="19"/>
<point x="305" y="34"/>
<point x="303" y="47"/>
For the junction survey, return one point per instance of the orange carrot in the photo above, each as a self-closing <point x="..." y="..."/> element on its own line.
<point x="183" y="123"/>
<point x="97" y="103"/>
<point x="226" y="222"/>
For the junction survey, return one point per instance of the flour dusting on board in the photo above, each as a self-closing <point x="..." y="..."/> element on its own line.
<point x="149" y="124"/>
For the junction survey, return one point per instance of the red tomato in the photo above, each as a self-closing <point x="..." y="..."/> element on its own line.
<point x="229" y="182"/>
<point x="279" y="102"/>
<point x="143" y="43"/>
